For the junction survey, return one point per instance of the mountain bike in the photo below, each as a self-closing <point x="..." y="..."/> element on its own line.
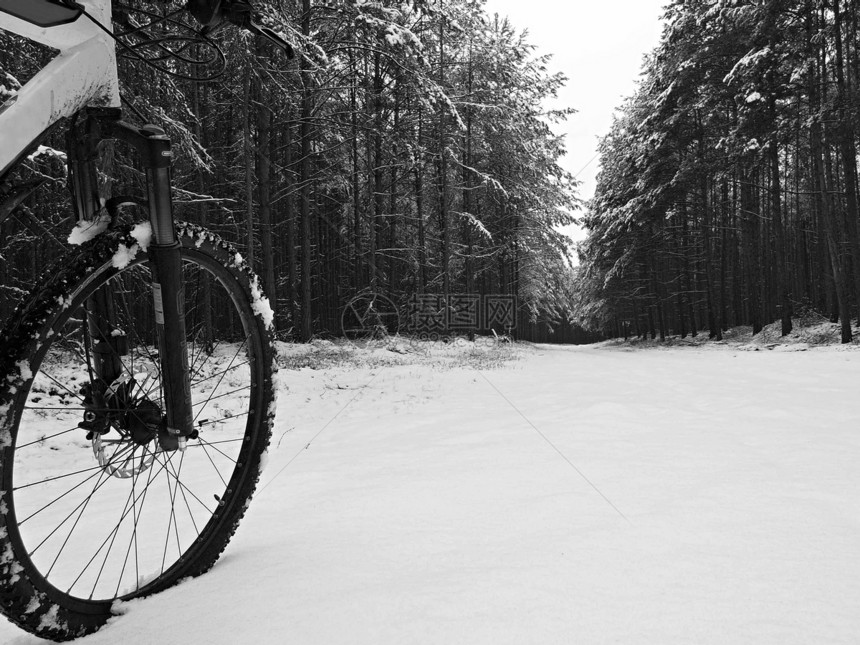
<point x="136" y="380"/>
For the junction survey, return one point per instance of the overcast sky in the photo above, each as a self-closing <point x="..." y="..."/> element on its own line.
<point x="598" y="45"/>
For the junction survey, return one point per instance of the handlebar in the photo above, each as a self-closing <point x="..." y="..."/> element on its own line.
<point x="212" y="13"/>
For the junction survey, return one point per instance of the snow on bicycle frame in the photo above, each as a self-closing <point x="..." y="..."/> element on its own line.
<point x="83" y="74"/>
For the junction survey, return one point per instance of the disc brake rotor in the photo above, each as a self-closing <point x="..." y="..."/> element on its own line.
<point x="137" y="424"/>
<point x="121" y="458"/>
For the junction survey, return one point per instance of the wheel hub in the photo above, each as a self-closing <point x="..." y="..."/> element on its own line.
<point x="137" y="422"/>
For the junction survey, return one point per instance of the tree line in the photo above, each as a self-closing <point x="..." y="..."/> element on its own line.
<point x="405" y="150"/>
<point x="727" y="193"/>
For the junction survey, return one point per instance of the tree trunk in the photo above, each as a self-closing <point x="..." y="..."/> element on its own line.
<point x="264" y="187"/>
<point x="306" y="331"/>
<point x="249" y="167"/>
<point x="443" y="174"/>
<point x="378" y="189"/>
<point x="358" y="260"/>
<point x="848" y="152"/>
<point x="290" y="218"/>
<point x="782" y="278"/>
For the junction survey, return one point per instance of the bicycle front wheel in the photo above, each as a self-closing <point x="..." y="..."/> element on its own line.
<point x="92" y="508"/>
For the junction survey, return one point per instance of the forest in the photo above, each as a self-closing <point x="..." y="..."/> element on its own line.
<point x="406" y="149"/>
<point x="728" y="186"/>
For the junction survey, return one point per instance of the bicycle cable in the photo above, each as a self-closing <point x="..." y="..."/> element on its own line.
<point x="184" y="40"/>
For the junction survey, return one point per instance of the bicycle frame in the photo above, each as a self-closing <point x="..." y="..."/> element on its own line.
<point x="101" y="348"/>
<point x="82" y="74"/>
<point x="82" y="79"/>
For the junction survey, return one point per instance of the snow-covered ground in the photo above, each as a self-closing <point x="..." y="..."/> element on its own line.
<point x="538" y="495"/>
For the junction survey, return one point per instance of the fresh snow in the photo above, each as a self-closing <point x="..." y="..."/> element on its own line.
<point x="9" y="92"/>
<point x="24" y="370"/>
<point x="85" y="230"/>
<point x="142" y="232"/>
<point x="124" y="255"/>
<point x="260" y="304"/>
<point x="598" y="494"/>
<point x="47" y="151"/>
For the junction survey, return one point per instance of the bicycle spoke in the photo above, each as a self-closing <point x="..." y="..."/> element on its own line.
<point x="200" y="367"/>
<point x="58" y="477"/>
<point x="110" y="547"/>
<point x="172" y="517"/>
<point x="221" y="396"/>
<point x="139" y="512"/>
<point x="99" y="483"/>
<point x="191" y="492"/>
<point x="57" y="499"/>
<point x="223" y="374"/>
<point x="145" y="346"/>
<point x="133" y="540"/>
<point x="102" y="545"/>
<point x="204" y="444"/>
<point x="83" y="507"/>
<point x="46" y="438"/>
<point x="142" y="345"/>
<point x="212" y="443"/>
<point x="121" y="514"/>
<point x="187" y="506"/>
<point x="196" y="329"/>
<point x="210" y="422"/>
<point x="74" y="394"/>
<point x="211" y="461"/>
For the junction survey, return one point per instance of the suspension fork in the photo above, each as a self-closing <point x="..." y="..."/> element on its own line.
<point x="168" y="291"/>
<point x="105" y="350"/>
<point x="165" y="262"/>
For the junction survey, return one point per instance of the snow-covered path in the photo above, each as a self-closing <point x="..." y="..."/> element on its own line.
<point x="577" y="495"/>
